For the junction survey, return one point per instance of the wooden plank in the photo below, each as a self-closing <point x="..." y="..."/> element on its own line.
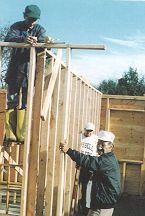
<point x="72" y="136"/>
<point x="1" y="162"/>
<point x="129" y="110"/>
<point x="142" y="175"/>
<point x="82" y="108"/>
<point x="123" y="176"/>
<point x="131" y="161"/>
<point x="54" y="45"/>
<point x="59" y="139"/>
<point x="93" y="107"/>
<point x="8" y="180"/>
<point x="64" y="137"/>
<point x="67" y="189"/>
<point x="95" y="112"/>
<point x="52" y="147"/>
<point x="86" y="109"/>
<point x="17" y="162"/>
<point x="35" y="135"/>
<point x="0" y="62"/>
<point x="98" y="110"/>
<point x="11" y="161"/>
<point x="78" y="117"/>
<point x="107" y="126"/>
<point x="2" y="101"/>
<point x="51" y="86"/>
<point x="118" y="97"/>
<point x="77" y="127"/>
<point x="43" y="152"/>
<point x="2" y="128"/>
<point x="28" y="130"/>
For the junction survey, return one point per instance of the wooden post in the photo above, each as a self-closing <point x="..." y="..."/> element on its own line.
<point x="28" y="130"/>
<point x="43" y="151"/>
<point x="16" y="173"/>
<point x="142" y="174"/>
<point x="67" y="188"/>
<point x="71" y="141"/>
<point x="35" y="134"/>
<point x="64" y="137"/>
<point x="53" y="139"/>
<point x="107" y="126"/>
<point x="0" y="62"/>
<point x="8" y="182"/>
<point x="51" y="86"/>
<point x="123" y="176"/>
<point x="86" y="105"/>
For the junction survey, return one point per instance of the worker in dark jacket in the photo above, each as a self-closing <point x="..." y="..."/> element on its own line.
<point x="26" y="31"/>
<point x="106" y="174"/>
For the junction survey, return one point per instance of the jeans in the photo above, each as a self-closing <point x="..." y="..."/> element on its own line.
<point x="13" y="97"/>
<point x="101" y="212"/>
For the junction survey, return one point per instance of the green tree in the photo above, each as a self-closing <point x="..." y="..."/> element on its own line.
<point x="5" y="56"/>
<point x="130" y="84"/>
<point x="108" y="87"/>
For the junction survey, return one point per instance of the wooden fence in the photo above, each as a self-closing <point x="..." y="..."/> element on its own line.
<point x="125" y="117"/>
<point x="58" y="106"/>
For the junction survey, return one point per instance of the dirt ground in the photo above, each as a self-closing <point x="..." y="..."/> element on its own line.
<point x="130" y="206"/>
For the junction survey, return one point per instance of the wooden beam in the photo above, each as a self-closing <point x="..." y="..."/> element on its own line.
<point x="131" y="161"/>
<point x="43" y="152"/>
<point x="128" y="110"/>
<point x="64" y="137"/>
<point x="107" y="125"/>
<point x="1" y="162"/>
<point x="67" y="188"/>
<point x="53" y="139"/>
<point x="72" y="136"/>
<point x="0" y="62"/>
<point x="28" y="131"/>
<point x="142" y="175"/>
<point x="35" y="135"/>
<point x="54" y="45"/>
<point x="123" y="176"/>
<point x="51" y="85"/>
<point x="124" y="97"/>
<point x="12" y="162"/>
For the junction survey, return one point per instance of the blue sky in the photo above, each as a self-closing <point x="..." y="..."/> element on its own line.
<point x="118" y="24"/>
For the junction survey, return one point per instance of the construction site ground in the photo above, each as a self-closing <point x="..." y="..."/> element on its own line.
<point x="130" y="206"/>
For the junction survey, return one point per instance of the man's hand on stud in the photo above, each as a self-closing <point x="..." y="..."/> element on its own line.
<point x="64" y="146"/>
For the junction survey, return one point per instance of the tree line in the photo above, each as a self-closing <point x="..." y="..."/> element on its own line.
<point x="131" y="83"/>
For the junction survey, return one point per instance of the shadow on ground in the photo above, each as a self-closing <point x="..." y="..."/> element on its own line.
<point x="130" y="206"/>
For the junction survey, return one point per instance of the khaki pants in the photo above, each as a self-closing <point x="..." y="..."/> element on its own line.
<point x="101" y="212"/>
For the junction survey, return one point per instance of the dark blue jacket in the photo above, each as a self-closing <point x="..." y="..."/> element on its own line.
<point x="18" y="65"/>
<point x="106" y="185"/>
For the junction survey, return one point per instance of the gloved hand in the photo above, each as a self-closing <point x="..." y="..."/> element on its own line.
<point x="31" y="40"/>
<point x="49" y="39"/>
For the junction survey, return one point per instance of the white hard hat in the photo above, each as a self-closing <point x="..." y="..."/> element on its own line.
<point x="90" y="126"/>
<point x="106" y="136"/>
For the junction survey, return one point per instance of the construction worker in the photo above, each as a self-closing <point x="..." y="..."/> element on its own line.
<point x="88" y="147"/>
<point x="106" y="187"/>
<point x="26" y="31"/>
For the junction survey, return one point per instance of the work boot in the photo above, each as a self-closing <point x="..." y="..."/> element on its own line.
<point x="20" y="131"/>
<point x="10" y="125"/>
